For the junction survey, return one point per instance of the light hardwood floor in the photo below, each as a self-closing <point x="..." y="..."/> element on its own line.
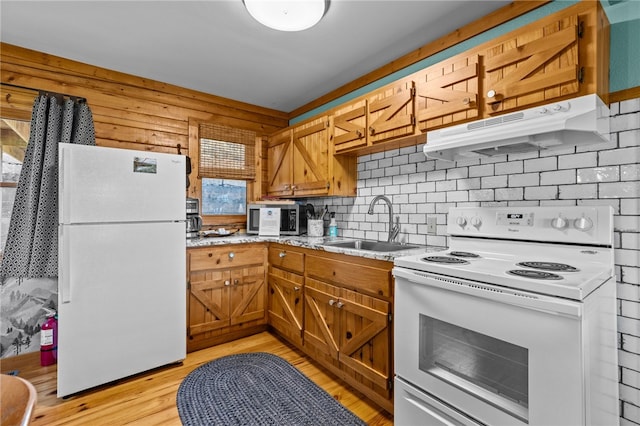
<point x="150" y="398"/>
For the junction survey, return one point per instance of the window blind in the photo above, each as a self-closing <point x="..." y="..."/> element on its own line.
<point x="226" y="152"/>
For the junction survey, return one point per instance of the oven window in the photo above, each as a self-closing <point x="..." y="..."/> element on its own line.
<point x="490" y="369"/>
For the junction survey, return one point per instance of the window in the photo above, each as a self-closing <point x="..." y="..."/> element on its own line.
<point x="224" y="159"/>
<point x="13" y="142"/>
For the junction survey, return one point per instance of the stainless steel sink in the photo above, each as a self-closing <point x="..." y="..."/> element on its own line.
<point x="370" y="245"/>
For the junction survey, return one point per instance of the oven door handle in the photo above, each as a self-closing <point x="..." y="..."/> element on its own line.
<point x="539" y="302"/>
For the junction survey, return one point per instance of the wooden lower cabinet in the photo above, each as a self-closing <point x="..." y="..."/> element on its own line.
<point x="334" y="307"/>
<point x="286" y="292"/>
<point x="226" y="293"/>
<point x="347" y="321"/>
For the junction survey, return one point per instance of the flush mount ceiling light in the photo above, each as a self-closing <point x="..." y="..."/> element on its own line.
<point x="286" y="15"/>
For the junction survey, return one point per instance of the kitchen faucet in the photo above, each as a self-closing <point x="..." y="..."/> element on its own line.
<point x="393" y="229"/>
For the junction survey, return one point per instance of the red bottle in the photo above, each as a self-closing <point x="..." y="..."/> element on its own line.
<point x="49" y="340"/>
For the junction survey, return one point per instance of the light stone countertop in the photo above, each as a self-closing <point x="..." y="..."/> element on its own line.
<point x="315" y="243"/>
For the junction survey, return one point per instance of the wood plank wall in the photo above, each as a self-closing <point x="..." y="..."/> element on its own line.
<point x="129" y="112"/>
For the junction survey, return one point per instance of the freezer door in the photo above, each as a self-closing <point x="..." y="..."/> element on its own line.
<point x="121" y="301"/>
<point x="99" y="185"/>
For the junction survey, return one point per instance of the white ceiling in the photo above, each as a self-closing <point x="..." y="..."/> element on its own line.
<point x="215" y="46"/>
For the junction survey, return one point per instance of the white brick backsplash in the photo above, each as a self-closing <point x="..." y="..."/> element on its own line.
<point x="631" y="378"/>
<point x="482" y="170"/>
<point x="558" y="177"/>
<point x="472" y="183"/>
<point x="458" y="173"/>
<point x="624" y="122"/>
<point x="579" y="191"/>
<point x="437" y="175"/>
<point x="493" y="182"/>
<point x="446" y="185"/>
<point x="620" y="189"/>
<point x="426" y="166"/>
<point x="407" y="169"/>
<point x="509" y="194"/>
<point x="630" y="172"/>
<point x="627" y="223"/>
<point x="378" y="173"/>
<point x="481" y="195"/>
<point x="599" y="174"/>
<point x="509" y="168"/>
<point x="630" y="309"/>
<point x="630" y="206"/>
<point x="630" y="105"/>
<point x="426" y="187"/>
<point x="627" y="257"/>
<point x="526" y="179"/>
<point x="436" y="197"/>
<point x="540" y="164"/>
<point x="619" y="156"/>
<point x="576" y="161"/>
<point x="541" y="193"/>
<point x="630" y="241"/>
<point x="418" y="197"/>
<point x="456" y="196"/>
<point x="629" y="138"/>
<point x="630" y="275"/>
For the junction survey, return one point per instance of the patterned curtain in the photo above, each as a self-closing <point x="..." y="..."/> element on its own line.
<point x="31" y="250"/>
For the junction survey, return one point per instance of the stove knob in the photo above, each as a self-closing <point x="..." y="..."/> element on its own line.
<point x="461" y="221"/>
<point x="476" y="222"/>
<point x="583" y="224"/>
<point x="559" y="223"/>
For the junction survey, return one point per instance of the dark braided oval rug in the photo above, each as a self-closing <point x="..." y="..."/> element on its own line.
<point x="256" y="389"/>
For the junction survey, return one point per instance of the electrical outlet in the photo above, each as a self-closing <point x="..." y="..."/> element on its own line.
<point x="431" y="225"/>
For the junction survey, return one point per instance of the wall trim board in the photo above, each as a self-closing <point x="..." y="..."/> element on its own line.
<point x="626" y="94"/>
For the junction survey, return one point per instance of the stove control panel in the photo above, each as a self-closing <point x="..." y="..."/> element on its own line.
<point x="570" y="224"/>
<point x="514" y="219"/>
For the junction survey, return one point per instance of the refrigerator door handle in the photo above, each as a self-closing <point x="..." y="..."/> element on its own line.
<point x="64" y="267"/>
<point x="64" y="177"/>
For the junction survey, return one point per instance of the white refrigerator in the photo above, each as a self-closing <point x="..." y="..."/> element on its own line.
<point x="122" y="260"/>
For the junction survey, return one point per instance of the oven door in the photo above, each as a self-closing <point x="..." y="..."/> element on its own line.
<point x="501" y="357"/>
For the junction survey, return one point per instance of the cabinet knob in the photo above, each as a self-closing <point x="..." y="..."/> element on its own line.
<point x="339" y="304"/>
<point x="282" y="254"/>
<point x="232" y="255"/>
<point x="235" y="282"/>
<point x="227" y="282"/>
<point x="372" y="131"/>
<point x="296" y="288"/>
<point x="491" y="94"/>
<point x="332" y="302"/>
<point x="294" y="187"/>
<point x="466" y="101"/>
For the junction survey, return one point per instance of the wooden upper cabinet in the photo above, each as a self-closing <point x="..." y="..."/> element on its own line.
<point x="311" y="158"/>
<point x="279" y="163"/>
<point x="447" y="92"/>
<point x="533" y="66"/>
<point x="390" y="111"/>
<point x="350" y="127"/>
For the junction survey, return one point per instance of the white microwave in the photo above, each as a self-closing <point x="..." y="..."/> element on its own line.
<point x="293" y="220"/>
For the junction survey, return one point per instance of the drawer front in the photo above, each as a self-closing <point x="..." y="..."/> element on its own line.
<point x="281" y="257"/>
<point x="362" y="278"/>
<point x="226" y="257"/>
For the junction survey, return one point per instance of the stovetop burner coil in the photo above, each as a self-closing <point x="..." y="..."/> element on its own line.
<point x="536" y="275"/>
<point x="445" y="259"/>
<point x="549" y="266"/>
<point x="464" y="254"/>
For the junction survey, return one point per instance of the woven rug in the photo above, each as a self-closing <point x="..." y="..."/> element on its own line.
<point x="256" y="389"/>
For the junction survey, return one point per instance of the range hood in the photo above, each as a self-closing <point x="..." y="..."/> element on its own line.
<point x="574" y="122"/>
